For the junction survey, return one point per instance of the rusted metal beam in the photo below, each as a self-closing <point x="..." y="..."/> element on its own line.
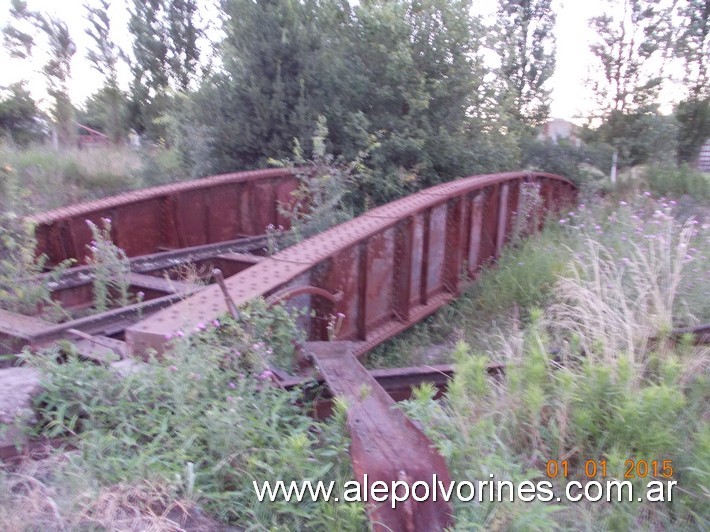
<point x="502" y="218"/>
<point x="365" y="249"/>
<point x="474" y="242"/>
<point x="191" y="213"/>
<point x="385" y="445"/>
<point x="17" y="331"/>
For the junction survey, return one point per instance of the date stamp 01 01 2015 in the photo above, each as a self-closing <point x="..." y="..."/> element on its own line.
<point x="598" y="468"/>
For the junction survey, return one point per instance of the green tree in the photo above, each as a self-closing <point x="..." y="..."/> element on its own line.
<point x="631" y="45"/>
<point x="99" y="111"/>
<point x="525" y="44"/>
<point x="19" y="115"/>
<point x="271" y="54"/>
<point x="58" y="72"/>
<point x="409" y="72"/>
<point x="183" y="33"/>
<point x="166" y="56"/>
<point x="421" y="72"/>
<point x="20" y="37"/>
<point x="149" y="65"/>
<point x="693" y="45"/>
<point x="104" y="58"/>
<point x="693" y="116"/>
<point x="693" y="48"/>
<point x="633" y="41"/>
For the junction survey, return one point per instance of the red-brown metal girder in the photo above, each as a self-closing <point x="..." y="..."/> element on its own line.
<point x="201" y="211"/>
<point x="385" y="445"/>
<point x="403" y="268"/>
<point x="475" y="233"/>
<point x="372" y="251"/>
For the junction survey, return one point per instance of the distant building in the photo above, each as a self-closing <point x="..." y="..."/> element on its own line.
<point x="90" y="138"/>
<point x="558" y="128"/>
<point x="703" y="163"/>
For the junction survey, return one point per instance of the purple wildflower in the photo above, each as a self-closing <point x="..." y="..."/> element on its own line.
<point x="266" y="375"/>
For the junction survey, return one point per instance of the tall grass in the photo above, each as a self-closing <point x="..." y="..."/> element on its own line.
<point x="199" y="427"/>
<point x="49" y="179"/>
<point x="592" y="375"/>
<point x="615" y="305"/>
<point x="581" y="411"/>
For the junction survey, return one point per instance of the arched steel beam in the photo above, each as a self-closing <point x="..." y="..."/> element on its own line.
<point x="395" y="265"/>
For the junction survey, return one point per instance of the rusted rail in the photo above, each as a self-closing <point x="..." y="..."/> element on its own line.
<point x="150" y="275"/>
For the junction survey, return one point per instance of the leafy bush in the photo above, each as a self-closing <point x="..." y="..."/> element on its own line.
<point x="110" y="268"/>
<point x="677" y="181"/>
<point x="322" y="199"/>
<point x="205" y="423"/>
<point x="586" y="164"/>
<point x="584" y="410"/>
<point x="161" y="165"/>
<point x="18" y="291"/>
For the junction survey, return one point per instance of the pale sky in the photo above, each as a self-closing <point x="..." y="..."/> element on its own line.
<point x="570" y="97"/>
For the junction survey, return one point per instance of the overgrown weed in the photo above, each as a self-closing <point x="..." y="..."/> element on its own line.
<point x="591" y="376"/>
<point x="321" y="200"/>
<point x="204" y="423"/>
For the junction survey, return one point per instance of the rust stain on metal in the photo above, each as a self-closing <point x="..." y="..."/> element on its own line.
<point x="385" y="445"/>
<point x="426" y="245"/>
<point x="385" y="271"/>
<point x="201" y="211"/>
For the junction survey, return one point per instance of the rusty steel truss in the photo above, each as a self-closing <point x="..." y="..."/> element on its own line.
<point x="391" y="267"/>
<point x="383" y="272"/>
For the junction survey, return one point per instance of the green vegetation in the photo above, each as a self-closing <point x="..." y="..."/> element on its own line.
<point x="581" y="411"/>
<point x="109" y="267"/>
<point x="195" y="428"/>
<point x="580" y="314"/>
<point x="46" y="179"/>
<point x="679" y="181"/>
<point x="18" y="291"/>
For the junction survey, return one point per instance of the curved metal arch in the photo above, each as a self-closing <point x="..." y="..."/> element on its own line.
<point x="395" y="264"/>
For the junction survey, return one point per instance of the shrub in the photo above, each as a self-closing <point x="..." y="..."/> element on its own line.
<point x="110" y="268"/>
<point x="322" y="198"/>
<point x="205" y="423"/>
<point x="585" y="165"/>
<point x="510" y="427"/>
<point x="677" y="181"/>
